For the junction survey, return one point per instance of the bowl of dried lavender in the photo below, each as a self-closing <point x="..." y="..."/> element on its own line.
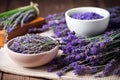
<point x="32" y="50"/>
<point x="87" y="21"/>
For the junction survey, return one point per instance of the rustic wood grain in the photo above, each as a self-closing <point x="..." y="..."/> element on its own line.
<point x="3" y="5"/>
<point x="30" y="78"/>
<point x="108" y="3"/>
<point x="0" y="75"/>
<point x="54" y="6"/>
<point x="101" y="4"/>
<point x="82" y="3"/>
<point x="7" y="76"/>
<point x="12" y="77"/>
<point x="18" y="3"/>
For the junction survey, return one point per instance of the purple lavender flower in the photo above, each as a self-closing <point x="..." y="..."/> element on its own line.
<point x="76" y="49"/>
<point x="48" y="17"/>
<point x="109" y="67"/>
<point x="10" y="28"/>
<point x="63" y="70"/>
<point x="79" y="69"/>
<point x="92" y="70"/>
<point x="69" y="59"/>
<point x="72" y="65"/>
<point x="116" y="71"/>
<point x="77" y="57"/>
<point x="52" y="68"/>
<point x="102" y="45"/>
<point x="87" y="51"/>
<point x="59" y="73"/>
<point x="45" y="27"/>
<point x="51" y="23"/>
<point x="94" y="50"/>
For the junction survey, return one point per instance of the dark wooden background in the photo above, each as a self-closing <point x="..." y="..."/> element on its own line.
<point x="49" y="7"/>
<point x="54" y="6"/>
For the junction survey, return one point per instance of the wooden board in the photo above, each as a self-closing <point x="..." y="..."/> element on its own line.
<point x="7" y="65"/>
<point x="7" y="76"/>
<point x="0" y="75"/>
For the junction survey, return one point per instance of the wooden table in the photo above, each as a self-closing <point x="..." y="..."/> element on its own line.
<point x="49" y="7"/>
<point x="7" y="76"/>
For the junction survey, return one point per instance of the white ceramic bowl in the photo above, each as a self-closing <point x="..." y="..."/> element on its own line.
<point x="31" y="60"/>
<point x="87" y="28"/>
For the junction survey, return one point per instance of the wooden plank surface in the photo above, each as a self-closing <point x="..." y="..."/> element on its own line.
<point x="0" y="75"/>
<point x="108" y="3"/>
<point x="3" y="5"/>
<point x="12" y="77"/>
<point x="53" y="6"/>
<point x="7" y="76"/>
<point x="79" y="3"/>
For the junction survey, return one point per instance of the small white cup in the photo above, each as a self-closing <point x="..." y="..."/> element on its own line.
<point x="87" y="28"/>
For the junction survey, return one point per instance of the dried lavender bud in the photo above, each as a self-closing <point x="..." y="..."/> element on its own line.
<point x="86" y="16"/>
<point x="63" y="70"/>
<point x="38" y="30"/>
<point x="60" y="73"/>
<point x="32" y="44"/>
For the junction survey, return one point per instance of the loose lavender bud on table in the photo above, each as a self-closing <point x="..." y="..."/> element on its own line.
<point x="116" y="71"/>
<point x="86" y="16"/>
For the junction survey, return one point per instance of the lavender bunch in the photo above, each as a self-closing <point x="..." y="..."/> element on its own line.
<point x="83" y="55"/>
<point x="10" y="19"/>
<point x="86" y="54"/>
<point x="56" y="22"/>
<point x="44" y="27"/>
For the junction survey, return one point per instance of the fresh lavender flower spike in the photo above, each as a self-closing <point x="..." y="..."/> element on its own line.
<point x="116" y="71"/>
<point x="59" y="73"/>
<point x="38" y="30"/>
<point x="48" y="17"/>
<point x="51" y="23"/>
<point x="52" y="68"/>
<point x="79" y="69"/>
<point x="72" y="65"/>
<point x="94" y="50"/>
<point x="109" y="67"/>
<point x="93" y="70"/>
<point x="10" y="28"/>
